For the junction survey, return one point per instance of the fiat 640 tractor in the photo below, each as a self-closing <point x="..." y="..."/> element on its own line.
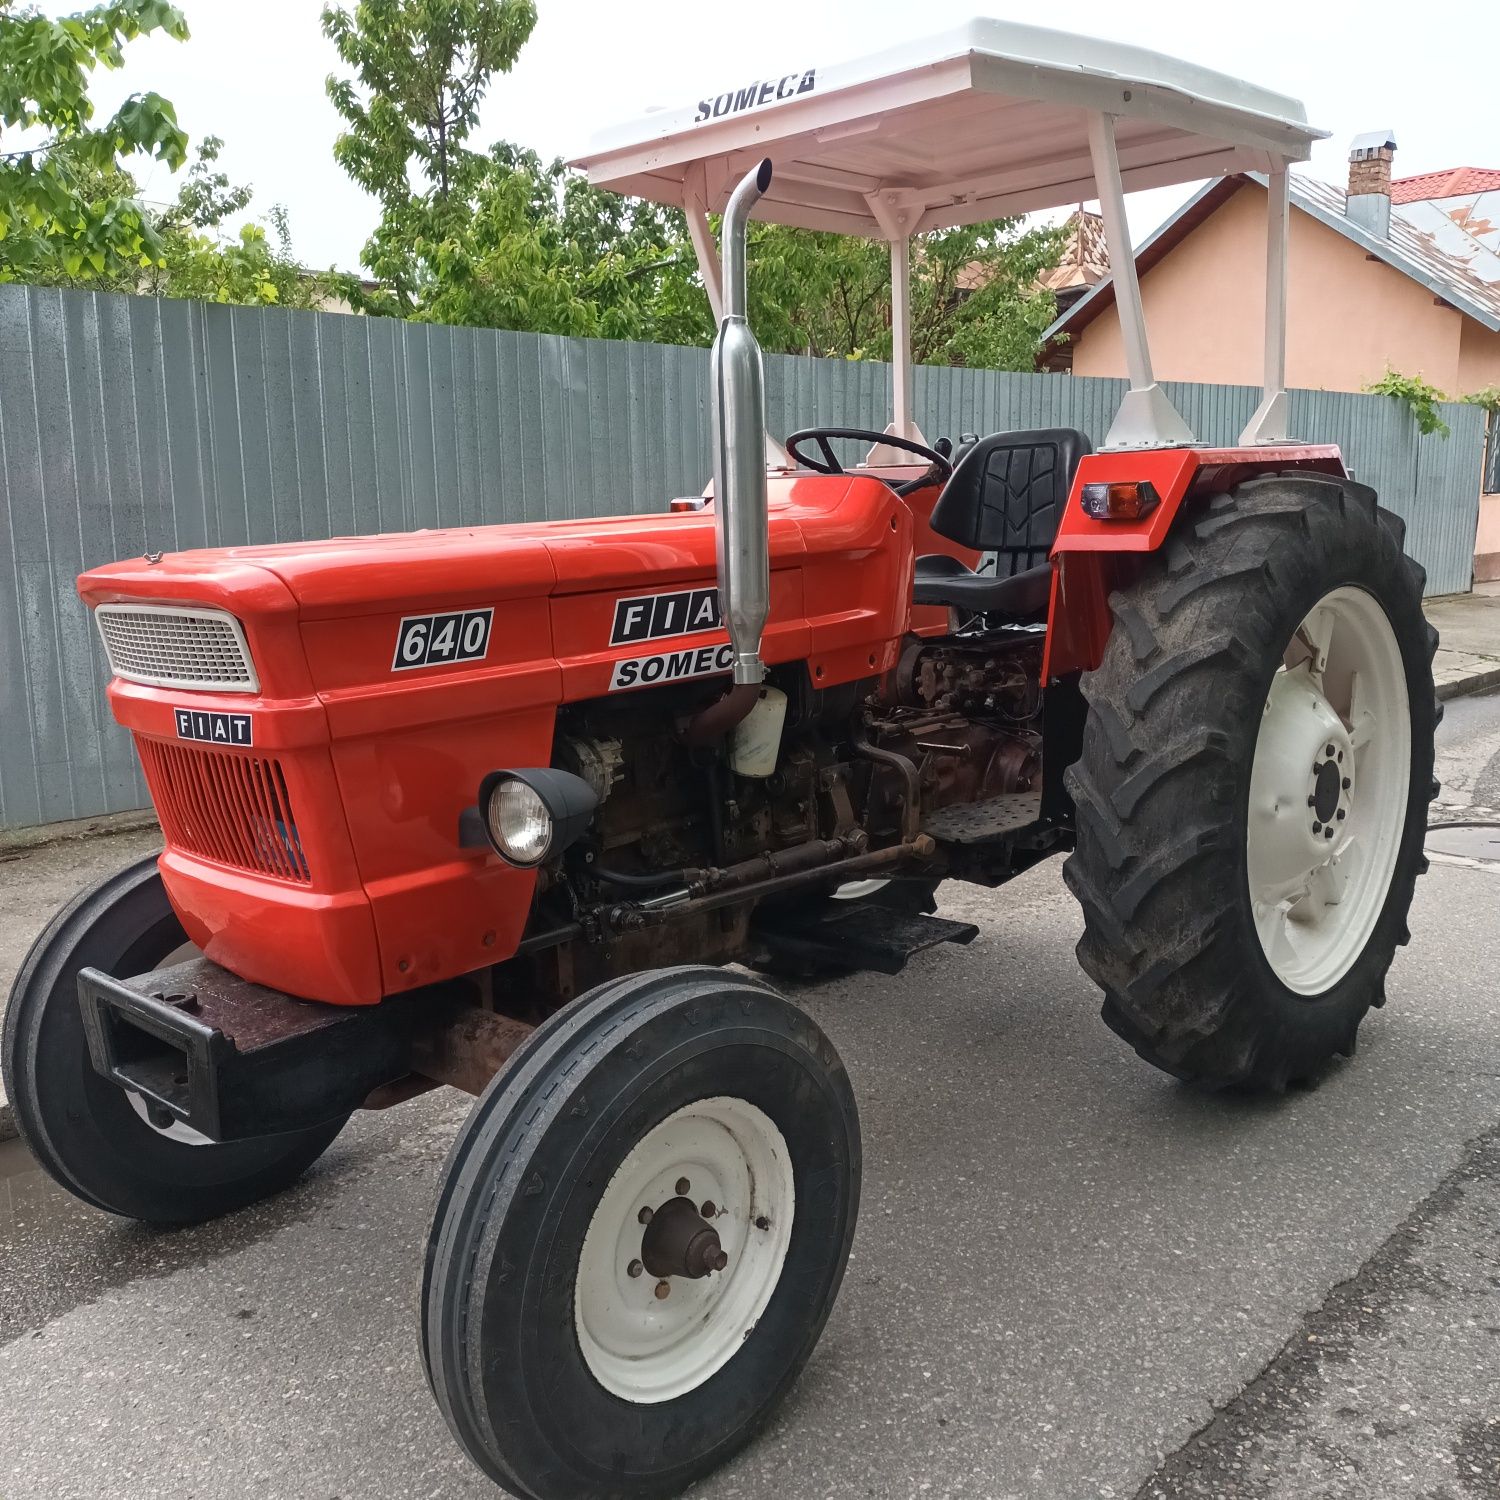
<point x="498" y="808"/>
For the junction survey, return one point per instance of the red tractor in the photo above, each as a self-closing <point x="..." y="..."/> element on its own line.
<point x="495" y="808"/>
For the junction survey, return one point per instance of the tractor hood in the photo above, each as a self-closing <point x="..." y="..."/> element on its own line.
<point x="448" y="568"/>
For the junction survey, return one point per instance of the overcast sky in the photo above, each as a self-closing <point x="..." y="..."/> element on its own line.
<point x="253" y="73"/>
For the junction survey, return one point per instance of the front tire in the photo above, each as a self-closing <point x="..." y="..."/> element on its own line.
<point x="569" y="1353"/>
<point x="89" y="1135"/>
<point x="1253" y="787"/>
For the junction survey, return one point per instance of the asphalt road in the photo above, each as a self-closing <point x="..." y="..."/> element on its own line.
<point x="1072" y="1276"/>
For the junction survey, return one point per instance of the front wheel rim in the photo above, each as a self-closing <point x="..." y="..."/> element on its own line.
<point x="1328" y="791"/>
<point x="647" y="1345"/>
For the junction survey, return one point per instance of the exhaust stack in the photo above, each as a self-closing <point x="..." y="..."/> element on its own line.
<point x="739" y="425"/>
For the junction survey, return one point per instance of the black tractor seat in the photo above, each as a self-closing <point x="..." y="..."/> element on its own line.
<point x="945" y="580"/>
<point x="1006" y="496"/>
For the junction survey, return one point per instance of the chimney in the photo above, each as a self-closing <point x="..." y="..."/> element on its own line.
<point x="1369" y="201"/>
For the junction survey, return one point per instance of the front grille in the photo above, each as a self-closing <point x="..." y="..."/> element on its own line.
<point x="163" y="645"/>
<point x="231" y="808"/>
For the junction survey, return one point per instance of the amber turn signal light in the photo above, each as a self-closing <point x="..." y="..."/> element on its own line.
<point x="1120" y="501"/>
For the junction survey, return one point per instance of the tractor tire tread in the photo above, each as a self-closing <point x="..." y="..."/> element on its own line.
<point x="1164" y="767"/>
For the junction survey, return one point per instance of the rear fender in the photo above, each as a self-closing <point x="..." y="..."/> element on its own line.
<point x="1091" y="558"/>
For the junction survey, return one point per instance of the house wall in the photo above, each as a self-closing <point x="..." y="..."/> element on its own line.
<point x="1348" y="318"/>
<point x="1487" y="540"/>
<point x="1479" y="369"/>
<point x="1478" y="360"/>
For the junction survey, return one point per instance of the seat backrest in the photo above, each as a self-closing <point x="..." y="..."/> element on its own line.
<point x="1007" y="494"/>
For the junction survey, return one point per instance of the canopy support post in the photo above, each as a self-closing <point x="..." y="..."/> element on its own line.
<point x="896" y="222"/>
<point x="706" y="251"/>
<point x="1146" y="418"/>
<point x="903" y="383"/>
<point x="1270" y="422"/>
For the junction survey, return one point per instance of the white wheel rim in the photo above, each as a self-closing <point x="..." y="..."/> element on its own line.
<point x="1328" y="791"/>
<point x="647" y="1349"/>
<point x="184" y="1135"/>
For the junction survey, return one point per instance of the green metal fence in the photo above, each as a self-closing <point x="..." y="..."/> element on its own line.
<point x="130" y="425"/>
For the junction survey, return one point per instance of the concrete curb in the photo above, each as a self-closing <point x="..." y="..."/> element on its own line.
<point x="1474" y="682"/>
<point x="19" y="840"/>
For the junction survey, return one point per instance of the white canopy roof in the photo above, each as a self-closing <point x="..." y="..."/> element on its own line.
<point x="984" y="121"/>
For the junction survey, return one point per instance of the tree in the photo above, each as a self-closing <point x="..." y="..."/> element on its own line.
<point x="421" y="68"/>
<point x="542" y="250"/>
<point x="202" y="259"/>
<point x="503" y="240"/>
<point x="975" y="297"/>
<point x="64" y="207"/>
<point x="70" y="210"/>
<point x="195" y="254"/>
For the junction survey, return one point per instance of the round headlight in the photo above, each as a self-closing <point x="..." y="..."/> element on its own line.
<point x="519" y="821"/>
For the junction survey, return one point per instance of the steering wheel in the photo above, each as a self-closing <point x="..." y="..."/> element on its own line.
<point x="940" y="466"/>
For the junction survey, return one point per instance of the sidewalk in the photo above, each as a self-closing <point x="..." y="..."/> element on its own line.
<point x="1468" y="626"/>
<point x="36" y="880"/>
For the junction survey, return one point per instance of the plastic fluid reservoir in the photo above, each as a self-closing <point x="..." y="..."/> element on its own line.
<point x="755" y="740"/>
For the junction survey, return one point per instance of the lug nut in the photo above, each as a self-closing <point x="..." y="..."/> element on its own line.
<point x="1328" y="833"/>
<point x="663" y="1290"/>
<point x="1340" y="815"/>
<point x="1317" y="826"/>
<point x="1346" y="783"/>
<point x="634" y="1268"/>
<point x="644" y="1217"/>
<point x="1328" y="750"/>
<point x="762" y="1222"/>
<point x="684" y="1187"/>
<point x="1312" y="801"/>
<point x="708" y="1210"/>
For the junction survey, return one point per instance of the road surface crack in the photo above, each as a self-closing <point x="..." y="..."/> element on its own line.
<point x="1228" y="1454"/>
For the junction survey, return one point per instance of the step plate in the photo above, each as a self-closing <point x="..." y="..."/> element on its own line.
<point x="978" y="822"/>
<point x="859" y="935"/>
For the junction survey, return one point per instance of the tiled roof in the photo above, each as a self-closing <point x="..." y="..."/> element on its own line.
<point x="1452" y="182"/>
<point x="1085" y="258"/>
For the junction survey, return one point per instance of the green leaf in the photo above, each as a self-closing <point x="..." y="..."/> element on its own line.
<point x="68" y="201"/>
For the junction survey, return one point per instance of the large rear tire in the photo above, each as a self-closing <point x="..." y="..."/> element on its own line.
<point x="640" y="1234"/>
<point x="1253" y="788"/>
<point x="89" y="1135"/>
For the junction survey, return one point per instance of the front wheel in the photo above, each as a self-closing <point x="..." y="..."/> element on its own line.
<point x="1253" y="788"/>
<point x="89" y="1135"/>
<point x="640" y="1234"/>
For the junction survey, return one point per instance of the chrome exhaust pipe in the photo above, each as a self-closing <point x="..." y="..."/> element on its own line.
<point x="739" y="422"/>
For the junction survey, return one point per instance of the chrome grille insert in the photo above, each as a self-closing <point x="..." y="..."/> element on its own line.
<point x="167" y="645"/>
